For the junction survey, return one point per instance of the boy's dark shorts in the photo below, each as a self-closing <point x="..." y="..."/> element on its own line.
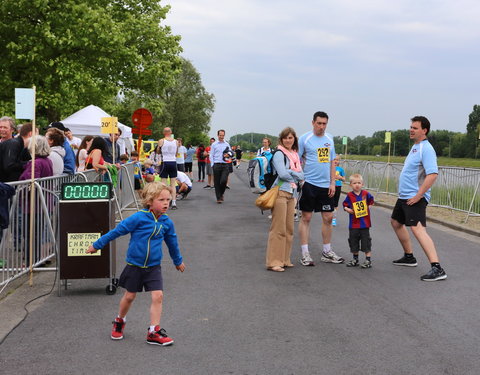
<point x="138" y="184"/>
<point x="209" y="169"/>
<point x="181" y="167"/>
<point x="410" y="215"/>
<point x="188" y="167"/>
<point x="136" y="279"/>
<point x="169" y="169"/>
<point x="336" y="197"/>
<point x="316" y="199"/>
<point x="359" y="240"/>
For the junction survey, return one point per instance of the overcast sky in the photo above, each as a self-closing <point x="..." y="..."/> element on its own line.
<point x="371" y="64"/>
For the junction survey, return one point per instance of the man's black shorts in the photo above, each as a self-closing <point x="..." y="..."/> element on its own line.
<point x="135" y="279"/>
<point x="410" y="215"/>
<point x="316" y="199"/>
<point x="188" y="167"/>
<point x="168" y="169"/>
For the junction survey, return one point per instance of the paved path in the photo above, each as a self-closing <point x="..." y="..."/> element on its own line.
<point x="228" y="315"/>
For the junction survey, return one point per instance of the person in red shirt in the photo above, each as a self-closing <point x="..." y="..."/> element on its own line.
<point x="202" y="160"/>
<point x="209" y="184"/>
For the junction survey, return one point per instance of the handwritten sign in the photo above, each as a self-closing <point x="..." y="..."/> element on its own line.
<point x="78" y="243"/>
<point x="109" y="125"/>
<point x="25" y="104"/>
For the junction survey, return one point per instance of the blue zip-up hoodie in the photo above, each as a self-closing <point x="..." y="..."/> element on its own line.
<point x="147" y="234"/>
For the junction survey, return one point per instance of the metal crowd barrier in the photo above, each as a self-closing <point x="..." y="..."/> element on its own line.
<point x="456" y="188"/>
<point x="14" y="243"/>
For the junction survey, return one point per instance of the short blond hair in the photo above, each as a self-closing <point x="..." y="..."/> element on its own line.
<point x="356" y="176"/>
<point x="147" y="162"/>
<point x="151" y="191"/>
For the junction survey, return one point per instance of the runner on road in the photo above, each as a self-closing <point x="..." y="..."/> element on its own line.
<point x="317" y="149"/>
<point x="419" y="173"/>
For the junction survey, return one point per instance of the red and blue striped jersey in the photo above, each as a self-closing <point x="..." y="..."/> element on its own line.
<point x="360" y="204"/>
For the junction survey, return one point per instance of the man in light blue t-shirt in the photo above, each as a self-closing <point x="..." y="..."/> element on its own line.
<point x="417" y="177"/>
<point x="317" y="150"/>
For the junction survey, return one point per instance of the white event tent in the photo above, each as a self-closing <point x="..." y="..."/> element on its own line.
<point x="87" y="122"/>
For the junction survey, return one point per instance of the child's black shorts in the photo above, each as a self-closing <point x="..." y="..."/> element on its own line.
<point x="359" y="240"/>
<point x="136" y="279"/>
<point x="138" y="185"/>
<point x="336" y="197"/>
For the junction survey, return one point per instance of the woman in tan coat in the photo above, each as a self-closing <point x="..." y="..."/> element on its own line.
<point x="286" y="163"/>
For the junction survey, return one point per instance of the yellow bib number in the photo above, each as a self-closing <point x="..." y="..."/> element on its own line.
<point x="360" y="209"/>
<point x="323" y="154"/>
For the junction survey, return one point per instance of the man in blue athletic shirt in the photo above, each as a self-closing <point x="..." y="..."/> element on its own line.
<point x="317" y="150"/>
<point x="417" y="177"/>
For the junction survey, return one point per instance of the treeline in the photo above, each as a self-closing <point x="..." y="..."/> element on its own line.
<point x="445" y="142"/>
<point x="251" y="141"/>
<point x="117" y="54"/>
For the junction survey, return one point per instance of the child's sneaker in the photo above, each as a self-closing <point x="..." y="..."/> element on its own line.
<point x="331" y="257"/>
<point x="159" y="337"/>
<point x="334" y="222"/>
<point x="353" y="263"/>
<point x="307" y="260"/>
<point x="367" y="264"/>
<point x="117" y="330"/>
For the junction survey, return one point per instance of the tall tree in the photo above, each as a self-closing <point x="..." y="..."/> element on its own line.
<point x="79" y="52"/>
<point x="187" y="106"/>
<point x="471" y="141"/>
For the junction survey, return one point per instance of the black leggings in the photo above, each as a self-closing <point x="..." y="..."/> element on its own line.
<point x="201" y="170"/>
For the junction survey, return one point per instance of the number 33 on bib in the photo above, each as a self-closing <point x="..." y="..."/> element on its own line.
<point x="323" y="154"/>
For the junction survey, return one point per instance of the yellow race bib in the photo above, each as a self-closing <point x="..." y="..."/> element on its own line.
<point x="323" y="154"/>
<point x="360" y="209"/>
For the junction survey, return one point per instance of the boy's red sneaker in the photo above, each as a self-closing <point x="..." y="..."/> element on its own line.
<point x="159" y="337"/>
<point x="117" y="330"/>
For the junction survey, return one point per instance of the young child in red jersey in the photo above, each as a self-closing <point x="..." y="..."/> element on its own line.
<point x="357" y="204"/>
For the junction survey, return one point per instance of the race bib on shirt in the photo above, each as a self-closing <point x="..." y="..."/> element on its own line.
<point x="360" y="209"/>
<point x="323" y="154"/>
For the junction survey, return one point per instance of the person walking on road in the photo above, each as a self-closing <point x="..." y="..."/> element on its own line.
<point x="419" y="173"/>
<point x="266" y="144"/>
<point x="181" y="154"/>
<point x="209" y="165"/>
<point x="169" y="147"/>
<point x="202" y="159"/>
<point x="288" y="167"/>
<point x="317" y="149"/>
<point x="220" y="154"/>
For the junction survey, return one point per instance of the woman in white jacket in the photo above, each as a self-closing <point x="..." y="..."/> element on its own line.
<point x="55" y="140"/>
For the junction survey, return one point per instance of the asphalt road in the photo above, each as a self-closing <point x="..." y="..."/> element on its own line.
<point x="228" y="315"/>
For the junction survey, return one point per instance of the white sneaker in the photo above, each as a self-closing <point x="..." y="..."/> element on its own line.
<point x="296" y="218"/>
<point x="331" y="257"/>
<point x="307" y="260"/>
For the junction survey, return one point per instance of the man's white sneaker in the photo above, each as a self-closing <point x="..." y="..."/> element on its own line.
<point x="307" y="260"/>
<point x="331" y="257"/>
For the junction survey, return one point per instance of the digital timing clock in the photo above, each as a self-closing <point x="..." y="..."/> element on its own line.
<point x="79" y="191"/>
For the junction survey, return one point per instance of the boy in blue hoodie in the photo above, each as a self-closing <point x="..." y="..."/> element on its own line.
<point x="148" y="229"/>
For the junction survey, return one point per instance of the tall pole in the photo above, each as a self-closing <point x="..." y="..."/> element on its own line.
<point x="388" y="164"/>
<point x="32" y="191"/>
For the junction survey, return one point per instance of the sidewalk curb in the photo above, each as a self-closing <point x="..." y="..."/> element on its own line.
<point x="437" y="221"/>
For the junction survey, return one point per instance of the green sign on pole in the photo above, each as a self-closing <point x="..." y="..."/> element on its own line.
<point x="344" y="140"/>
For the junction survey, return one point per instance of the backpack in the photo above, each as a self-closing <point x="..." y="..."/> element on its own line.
<point x="261" y="174"/>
